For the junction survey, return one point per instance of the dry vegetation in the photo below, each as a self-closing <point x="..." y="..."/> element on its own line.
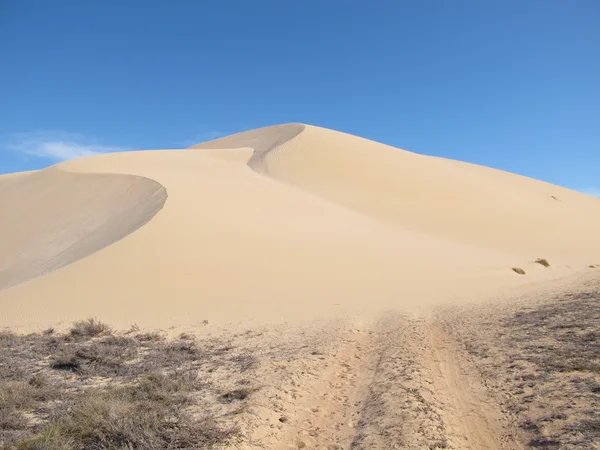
<point x="92" y="389"/>
<point x="542" y="262"/>
<point x="544" y="360"/>
<point x="518" y="270"/>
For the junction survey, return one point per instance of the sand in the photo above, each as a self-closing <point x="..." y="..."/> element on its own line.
<point x="363" y="295"/>
<point x="54" y="218"/>
<point x="284" y="223"/>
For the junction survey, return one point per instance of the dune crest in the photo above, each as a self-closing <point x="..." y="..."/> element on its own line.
<point x="260" y="140"/>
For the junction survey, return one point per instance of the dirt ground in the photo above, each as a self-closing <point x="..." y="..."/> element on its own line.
<point x="520" y="372"/>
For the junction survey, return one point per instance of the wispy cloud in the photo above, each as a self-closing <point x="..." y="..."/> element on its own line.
<point x="57" y="146"/>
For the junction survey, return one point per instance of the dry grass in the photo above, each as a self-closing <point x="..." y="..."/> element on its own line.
<point x="545" y="361"/>
<point x="148" y="414"/>
<point x="19" y="396"/>
<point x="562" y="336"/>
<point x="89" y="328"/>
<point x="518" y="270"/>
<point x="542" y="262"/>
<point x="92" y="389"/>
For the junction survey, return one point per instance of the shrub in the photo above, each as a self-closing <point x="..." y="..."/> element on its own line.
<point x="543" y="262"/>
<point x="88" y="329"/>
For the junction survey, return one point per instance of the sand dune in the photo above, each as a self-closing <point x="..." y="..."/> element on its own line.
<point x="458" y="201"/>
<point x="52" y="218"/>
<point x="282" y="223"/>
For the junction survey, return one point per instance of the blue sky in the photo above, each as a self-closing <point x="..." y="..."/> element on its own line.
<point x="512" y="84"/>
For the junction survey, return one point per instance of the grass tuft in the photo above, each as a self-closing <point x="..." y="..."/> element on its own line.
<point x="518" y="270"/>
<point x="543" y="262"/>
<point x="86" y="329"/>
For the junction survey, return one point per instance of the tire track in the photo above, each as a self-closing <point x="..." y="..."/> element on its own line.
<point x="472" y="417"/>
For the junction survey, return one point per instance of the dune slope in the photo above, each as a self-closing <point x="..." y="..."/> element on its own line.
<point x="51" y="218"/>
<point x="287" y="223"/>
<point x="458" y="201"/>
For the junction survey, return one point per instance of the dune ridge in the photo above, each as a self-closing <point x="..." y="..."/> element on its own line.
<point x="260" y="140"/>
<point x="297" y="222"/>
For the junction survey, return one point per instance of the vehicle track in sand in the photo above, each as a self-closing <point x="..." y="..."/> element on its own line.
<point x="472" y="415"/>
<point x="425" y="394"/>
<point x="402" y="383"/>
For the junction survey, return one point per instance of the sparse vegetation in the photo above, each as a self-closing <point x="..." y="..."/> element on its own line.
<point x="543" y="262"/>
<point x="17" y="396"/>
<point x="92" y="389"/>
<point x="145" y="414"/>
<point x="566" y="333"/>
<point x="545" y="360"/>
<point x="518" y="270"/>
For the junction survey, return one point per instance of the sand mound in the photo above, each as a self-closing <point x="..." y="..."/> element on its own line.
<point x="52" y="218"/>
<point x="288" y="223"/>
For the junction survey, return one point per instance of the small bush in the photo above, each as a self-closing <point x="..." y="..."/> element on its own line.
<point x="518" y="270"/>
<point x="543" y="262"/>
<point x="88" y="329"/>
<point x="157" y="387"/>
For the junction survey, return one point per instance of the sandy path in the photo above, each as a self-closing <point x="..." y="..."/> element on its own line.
<point x="424" y="394"/>
<point x="333" y="409"/>
<point x="398" y="383"/>
<point x="473" y="418"/>
<point x="451" y="378"/>
<point x="312" y="389"/>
